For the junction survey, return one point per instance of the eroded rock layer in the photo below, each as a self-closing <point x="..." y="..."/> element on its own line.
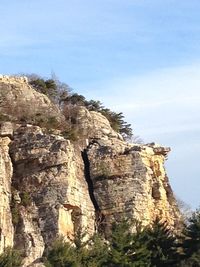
<point x="130" y="181"/>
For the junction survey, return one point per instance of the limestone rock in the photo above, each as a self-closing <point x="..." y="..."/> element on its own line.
<point x="6" y="129"/>
<point x="131" y="182"/>
<point x="6" y="170"/>
<point x="18" y="100"/>
<point x="60" y="187"/>
<point x="94" y="125"/>
<point x="52" y="175"/>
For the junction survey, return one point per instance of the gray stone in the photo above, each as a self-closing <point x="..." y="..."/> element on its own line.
<point x="6" y="129"/>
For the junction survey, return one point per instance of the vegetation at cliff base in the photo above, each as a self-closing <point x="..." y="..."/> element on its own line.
<point x="10" y="258"/>
<point x="153" y="246"/>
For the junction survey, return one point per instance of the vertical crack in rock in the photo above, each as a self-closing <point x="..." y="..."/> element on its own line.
<point x="54" y="194"/>
<point x="89" y="180"/>
<point x="99" y="216"/>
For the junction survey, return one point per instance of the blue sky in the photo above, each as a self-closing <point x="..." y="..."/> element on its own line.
<point x="141" y="57"/>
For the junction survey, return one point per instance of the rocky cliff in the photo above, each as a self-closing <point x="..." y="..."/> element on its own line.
<point x="52" y="186"/>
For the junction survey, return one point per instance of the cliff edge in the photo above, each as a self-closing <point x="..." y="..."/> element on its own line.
<point x="51" y="186"/>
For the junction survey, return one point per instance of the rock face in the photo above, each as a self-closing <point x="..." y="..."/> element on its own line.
<point x="94" y="125"/>
<point x="6" y="226"/>
<point x="57" y="201"/>
<point x="19" y="101"/>
<point x="60" y="187"/>
<point x="131" y="182"/>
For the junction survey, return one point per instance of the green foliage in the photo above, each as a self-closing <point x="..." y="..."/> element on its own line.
<point x="52" y="88"/>
<point x="192" y="261"/>
<point x="25" y="199"/>
<point x="60" y="93"/>
<point x="62" y="254"/>
<point x="82" y="254"/>
<point x="98" y="252"/>
<point x="47" y="87"/>
<point x="120" y="250"/>
<point x="4" y="117"/>
<point x="126" y="249"/>
<point x="15" y="205"/>
<point x="70" y="134"/>
<point x="117" y="123"/>
<point x="162" y="245"/>
<point x="154" y="246"/>
<point x="116" y="119"/>
<point x="191" y="242"/>
<point x="15" y="214"/>
<point x="10" y="258"/>
<point x="14" y="209"/>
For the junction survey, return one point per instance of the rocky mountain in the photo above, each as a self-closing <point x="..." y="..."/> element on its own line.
<point x="51" y="186"/>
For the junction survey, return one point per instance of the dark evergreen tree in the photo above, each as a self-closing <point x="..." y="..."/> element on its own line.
<point x="162" y="245"/>
<point x="126" y="250"/>
<point x="61" y="254"/>
<point x="192" y="240"/>
<point x="92" y="253"/>
<point x="96" y="253"/>
<point x="53" y="88"/>
<point x="191" y="243"/>
<point x="120" y="246"/>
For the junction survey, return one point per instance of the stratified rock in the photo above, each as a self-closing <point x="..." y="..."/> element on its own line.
<point x="6" y="171"/>
<point x="131" y="182"/>
<point x="51" y="175"/>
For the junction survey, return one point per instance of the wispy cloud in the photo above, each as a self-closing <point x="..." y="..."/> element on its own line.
<point x="163" y="106"/>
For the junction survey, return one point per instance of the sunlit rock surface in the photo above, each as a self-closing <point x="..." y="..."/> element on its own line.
<point x="51" y="187"/>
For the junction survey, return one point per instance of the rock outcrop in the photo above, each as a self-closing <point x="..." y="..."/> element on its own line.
<point x="129" y="181"/>
<point x="94" y="125"/>
<point x="52" y="175"/>
<point x="60" y="187"/>
<point x="6" y="226"/>
<point x="18" y="101"/>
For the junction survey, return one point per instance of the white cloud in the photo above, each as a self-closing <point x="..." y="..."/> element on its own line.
<point x="170" y="97"/>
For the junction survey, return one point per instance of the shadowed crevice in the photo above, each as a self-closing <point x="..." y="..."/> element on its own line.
<point x="89" y="180"/>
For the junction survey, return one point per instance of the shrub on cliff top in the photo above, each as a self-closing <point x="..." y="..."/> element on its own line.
<point x="52" y="87"/>
<point x="60" y="93"/>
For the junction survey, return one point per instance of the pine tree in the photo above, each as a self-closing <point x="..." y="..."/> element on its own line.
<point x="161" y="244"/>
<point x="120" y="245"/>
<point x="61" y="254"/>
<point x="97" y="252"/>
<point x="191" y="243"/>
<point x="126" y="250"/>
